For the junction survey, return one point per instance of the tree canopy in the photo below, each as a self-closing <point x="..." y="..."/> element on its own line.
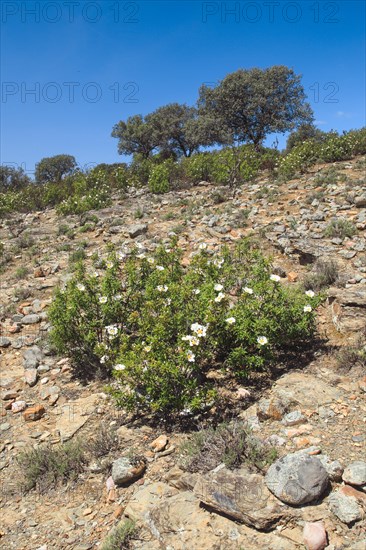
<point x="12" y="178"/>
<point x="135" y="136"/>
<point x="54" y="168"/>
<point x="249" y="104"/>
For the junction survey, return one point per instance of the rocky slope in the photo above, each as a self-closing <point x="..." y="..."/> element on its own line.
<point x="314" y="414"/>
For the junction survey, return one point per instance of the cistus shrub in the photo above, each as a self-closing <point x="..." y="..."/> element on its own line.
<point x="158" y="326"/>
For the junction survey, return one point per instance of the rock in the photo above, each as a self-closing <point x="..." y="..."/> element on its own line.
<point x="4" y="427"/>
<point x="4" y="342"/>
<point x="240" y="495"/>
<point x="136" y="230"/>
<point x="360" y="202"/>
<point x="305" y="391"/>
<point x="348" y="308"/>
<point x="124" y="470"/>
<point x="345" y="507"/>
<point x="34" y="413"/>
<point x="18" y="406"/>
<point x="31" y="319"/>
<point x="315" y="536"/>
<point x="292" y="277"/>
<point x="8" y="395"/>
<point x="32" y="357"/>
<point x="272" y="408"/>
<point x="159" y="443"/>
<point x="73" y="415"/>
<point x="31" y="377"/>
<point x="293" y="418"/>
<point x="297" y="478"/>
<point x="333" y="467"/>
<point x="355" y="473"/>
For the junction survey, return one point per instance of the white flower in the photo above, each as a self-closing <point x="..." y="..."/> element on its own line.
<point x="231" y="320"/>
<point x="117" y="297"/>
<point x="104" y="359"/>
<point x="310" y="293"/>
<point x="196" y="291"/>
<point x="248" y="290"/>
<point x="218" y="287"/>
<point x="168" y="301"/>
<point x="160" y="268"/>
<point x="119" y="367"/>
<point x="186" y="338"/>
<point x="275" y="278"/>
<point x="151" y="260"/>
<point x="103" y="299"/>
<point x="141" y="256"/>
<point x="121" y="256"/>
<point x="80" y="287"/>
<point x="218" y="263"/>
<point x="95" y="274"/>
<point x="202" y="246"/>
<point x="109" y="264"/>
<point x="307" y="309"/>
<point x="219" y="297"/>
<point x="147" y="349"/>
<point x="162" y="288"/>
<point x="112" y="330"/>
<point x="167" y="250"/>
<point x="191" y="357"/>
<point x="200" y="330"/>
<point x="262" y="340"/>
<point x="194" y="341"/>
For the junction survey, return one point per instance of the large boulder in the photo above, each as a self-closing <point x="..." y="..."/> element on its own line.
<point x="297" y="479"/>
<point x="240" y="495"/>
<point x="125" y="470"/>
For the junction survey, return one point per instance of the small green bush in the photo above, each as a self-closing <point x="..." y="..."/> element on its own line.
<point x="46" y="466"/>
<point x="232" y="444"/>
<point x="341" y="228"/>
<point x="159" y="178"/>
<point x="158" y="326"/>
<point x="120" y="537"/>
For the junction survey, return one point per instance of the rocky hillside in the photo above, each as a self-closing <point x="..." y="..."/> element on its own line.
<point x="312" y="494"/>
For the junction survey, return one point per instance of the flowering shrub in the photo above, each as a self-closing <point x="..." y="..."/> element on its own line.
<point x="333" y="149"/>
<point x="158" y="326"/>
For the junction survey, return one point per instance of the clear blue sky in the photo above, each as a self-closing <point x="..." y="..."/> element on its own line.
<point x="91" y="64"/>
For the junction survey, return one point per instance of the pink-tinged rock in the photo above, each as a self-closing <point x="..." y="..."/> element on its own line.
<point x="18" y="406"/>
<point x="242" y="393"/>
<point x="110" y="484"/>
<point x="315" y="536"/>
<point x="31" y="377"/>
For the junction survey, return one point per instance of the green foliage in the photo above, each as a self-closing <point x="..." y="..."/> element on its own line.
<point x="158" y="326"/>
<point x="54" y="169"/>
<point x="21" y="272"/>
<point x="331" y="149"/>
<point x="247" y="105"/>
<point x="324" y="273"/>
<point x="232" y="444"/>
<point x="120" y="536"/>
<point x="12" y="178"/>
<point x="341" y="228"/>
<point x="136" y="135"/>
<point x="159" y="178"/>
<point x="46" y="466"/>
<point x="304" y="133"/>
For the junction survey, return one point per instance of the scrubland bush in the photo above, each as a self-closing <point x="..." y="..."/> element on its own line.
<point x="157" y="326"/>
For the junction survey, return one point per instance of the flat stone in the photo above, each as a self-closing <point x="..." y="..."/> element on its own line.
<point x="355" y="473"/>
<point x="8" y="395"/>
<point x="293" y="418"/>
<point x="272" y="408"/>
<point x="240" y="495"/>
<point x="346" y="508"/>
<point x="31" y="319"/>
<point x="159" y="443"/>
<point x="297" y="478"/>
<point x="4" y="427"/>
<point x="333" y="467"/>
<point x="32" y="357"/>
<point x="73" y="415"/>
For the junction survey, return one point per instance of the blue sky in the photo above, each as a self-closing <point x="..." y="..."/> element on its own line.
<point x="71" y="70"/>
